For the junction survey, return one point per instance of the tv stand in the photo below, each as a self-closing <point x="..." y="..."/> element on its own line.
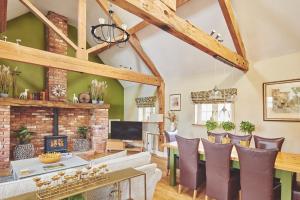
<point x="120" y="145"/>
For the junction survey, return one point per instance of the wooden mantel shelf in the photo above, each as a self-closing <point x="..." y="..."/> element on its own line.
<point x="49" y="104"/>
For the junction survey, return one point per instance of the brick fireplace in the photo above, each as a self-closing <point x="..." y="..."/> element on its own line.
<point x="39" y="118"/>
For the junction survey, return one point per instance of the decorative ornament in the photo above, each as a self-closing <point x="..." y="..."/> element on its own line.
<point x="59" y="91"/>
<point x="24" y="94"/>
<point x="75" y="98"/>
<point x="84" y="97"/>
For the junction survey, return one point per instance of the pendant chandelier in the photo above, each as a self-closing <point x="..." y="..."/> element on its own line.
<point x="108" y="32"/>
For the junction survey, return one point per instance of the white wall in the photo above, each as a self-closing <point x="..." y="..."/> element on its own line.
<point x="249" y="103"/>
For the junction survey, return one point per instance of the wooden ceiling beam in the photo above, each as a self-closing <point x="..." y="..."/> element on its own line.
<point x="81" y="30"/>
<point x="160" y="15"/>
<point x="136" y="28"/>
<point x="48" y="23"/>
<point x="232" y="24"/>
<point x="12" y="51"/>
<point x="3" y="15"/>
<point x="133" y="40"/>
<point x="170" y="3"/>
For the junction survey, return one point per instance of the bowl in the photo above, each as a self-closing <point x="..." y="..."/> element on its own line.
<point x="49" y="158"/>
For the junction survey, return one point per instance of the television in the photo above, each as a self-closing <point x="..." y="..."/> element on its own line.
<point x="126" y="130"/>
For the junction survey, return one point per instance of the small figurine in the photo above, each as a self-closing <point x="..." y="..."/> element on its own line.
<point x="75" y="99"/>
<point x="24" y="94"/>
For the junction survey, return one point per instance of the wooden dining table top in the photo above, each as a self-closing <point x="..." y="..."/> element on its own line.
<point x="284" y="161"/>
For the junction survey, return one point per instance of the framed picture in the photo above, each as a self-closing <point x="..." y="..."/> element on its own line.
<point x="282" y="100"/>
<point x="175" y="102"/>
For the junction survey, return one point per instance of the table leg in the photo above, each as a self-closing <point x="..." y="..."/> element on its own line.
<point x="172" y="167"/>
<point x="129" y="182"/>
<point x="286" y="179"/>
<point x="119" y="191"/>
<point x="145" y="186"/>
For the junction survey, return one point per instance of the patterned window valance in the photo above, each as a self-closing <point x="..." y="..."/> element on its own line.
<point x="145" y="101"/>
<point x="203" y="96"/>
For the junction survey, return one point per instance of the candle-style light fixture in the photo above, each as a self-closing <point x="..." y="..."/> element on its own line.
<point x="109" y="32"/>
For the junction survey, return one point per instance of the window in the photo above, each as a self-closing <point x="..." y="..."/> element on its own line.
<point x="145" y="112"/>
<point x="204" y="112"/>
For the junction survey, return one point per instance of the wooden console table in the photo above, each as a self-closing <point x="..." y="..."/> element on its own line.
<point x="120" y="145"/>
<point x="115" y="177"/>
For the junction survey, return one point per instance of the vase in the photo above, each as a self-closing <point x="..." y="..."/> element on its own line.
<point x="81" y="145"/>
<point x="172" y="126"/>
<point x="101" y="102"/>
<point x="24" y="151"/>
<point x="5" y="95"/>
<point x="94" y="101"/>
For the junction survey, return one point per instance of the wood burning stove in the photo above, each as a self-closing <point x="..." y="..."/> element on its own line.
<point x="56" y="142"/>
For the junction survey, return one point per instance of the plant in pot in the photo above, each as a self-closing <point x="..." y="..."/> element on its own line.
<point x="247" y="127"/>
<point x="211" y="125"/>
<point x="103" y="86"/>
<point x="24" y="149"/>
<point x="228" y="126"/>
<point x="82" y="143"/>
<point x="173" y="120"/>
<point x="5" y="80"/>
<point x="95" y="91"/>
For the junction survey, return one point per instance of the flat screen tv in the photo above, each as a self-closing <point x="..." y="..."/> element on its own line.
<point x="126" y="130"/>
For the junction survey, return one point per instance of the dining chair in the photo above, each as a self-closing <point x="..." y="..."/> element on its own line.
<point x="257" y="172"/>
<point x="192" y="172"/>
<point x="218" y="136"/>
<point x="296" y="188"/>
<point x="221" y="182"/>
<point x="268" y="143"/>
<point x="236" y="139"/>
<point x="170" y="137"/>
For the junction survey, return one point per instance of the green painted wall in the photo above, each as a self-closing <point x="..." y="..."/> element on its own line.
<point x="32" y="33"/>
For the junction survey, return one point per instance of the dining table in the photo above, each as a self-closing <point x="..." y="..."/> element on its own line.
<point x="286" y="165"/>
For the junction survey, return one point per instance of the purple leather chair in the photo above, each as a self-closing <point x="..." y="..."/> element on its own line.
<point x="235" y="139"/>
<point x="218" y="136"/>
<point x="192" y="172"/>
<point x="257" y="172"/>
<point x="296" y="188"/>
<point x="268" y="143"/>
<point x="221" y="182"/>
<point x="171" y="138"/>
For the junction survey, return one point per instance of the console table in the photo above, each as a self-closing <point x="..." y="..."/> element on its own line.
<point x="115" y="177"/>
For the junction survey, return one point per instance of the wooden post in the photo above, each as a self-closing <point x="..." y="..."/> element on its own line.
<point x="161" y="103"/>
<point x="81" y="30"/>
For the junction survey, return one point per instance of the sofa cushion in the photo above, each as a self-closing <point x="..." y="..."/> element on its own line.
<point x="109" y="157"/>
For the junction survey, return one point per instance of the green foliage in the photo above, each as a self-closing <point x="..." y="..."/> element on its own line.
<point x="228" y="126"/>
<point x="247" y="127"/>
<point x="82" y="131"/>
<point x="23" y="135"/>
<point x="211" y="125"/>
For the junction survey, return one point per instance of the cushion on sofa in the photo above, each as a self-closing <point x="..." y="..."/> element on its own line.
<point x="109" y="157"/>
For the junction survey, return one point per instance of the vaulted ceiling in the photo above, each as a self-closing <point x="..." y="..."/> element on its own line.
<point x="269" y="28"/>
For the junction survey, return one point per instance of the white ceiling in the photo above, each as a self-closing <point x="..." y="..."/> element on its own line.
<point x="269" y="28"/>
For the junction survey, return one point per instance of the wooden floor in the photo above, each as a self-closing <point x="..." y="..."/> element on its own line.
<point x="164" y="191"/>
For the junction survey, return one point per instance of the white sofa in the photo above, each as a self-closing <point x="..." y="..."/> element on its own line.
<point x="140" y="161"/>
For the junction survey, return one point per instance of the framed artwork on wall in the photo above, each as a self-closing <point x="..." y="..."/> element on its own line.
<point x="281" y="100"/>
<point x="175" y="102"/>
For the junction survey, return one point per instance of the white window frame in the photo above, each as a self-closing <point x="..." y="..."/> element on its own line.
<point x="145" y="112"/>
<point x="214" y="108"/>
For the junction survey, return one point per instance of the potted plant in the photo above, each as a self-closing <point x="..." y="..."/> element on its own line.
<point x="94" y="90"/>
<point x="173" y="120"/>
<point x="5" y="80"/>
<point x="228" y="126"/>
<point x="82" y="143"/>
<point x="211" y="125"/>
<point x="24" y="149"/>
<point x="103" y="86"/>
<point x="247" y="127"/>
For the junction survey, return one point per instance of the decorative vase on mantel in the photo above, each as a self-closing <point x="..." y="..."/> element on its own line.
<point x="4" y="95"/>
<point x="94" y="101"/>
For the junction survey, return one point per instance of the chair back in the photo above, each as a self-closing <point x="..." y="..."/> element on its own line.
<point x="188" y="161"/>
<point x="236" y="139"/>
<point x="268" y="143"/>
<point x="217" y="169"/>
<point x="257" y="172"/>
<point x="218" y="136"/>
<point x="170" y="137"/>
